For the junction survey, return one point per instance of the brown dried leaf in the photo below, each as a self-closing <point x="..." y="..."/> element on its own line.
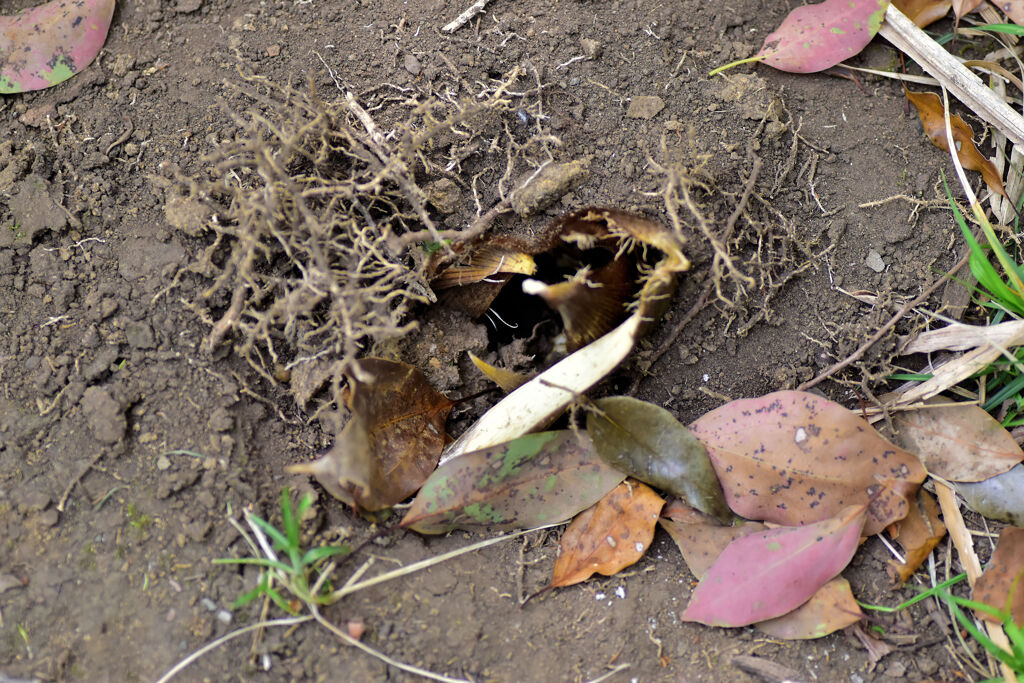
<point x="831" y="608"/>
<point x="918" y="533"/>
<point x="962" y="7"/>
<point x="701" y="538"/>
<point x="957" y="442"/>
<point x="1005" y="573"/>
<point x="929" y="108"/>
<point x="923" y="12"/>
<point x="391" y="443"/>
<point x="1013" y="9"/>
<point x="609" y="536"/>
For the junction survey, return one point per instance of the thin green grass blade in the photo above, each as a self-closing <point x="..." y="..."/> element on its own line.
<point x="316" y="554"/>
<point x="280" y="601"/>
<point x="269" y="529"/>
<point x="910" y="377"/>
<point x="244" y="600"/>
<point x="968" y="624"/>
<point x="1014" y="387"/>
<point x="291" y="524"/>
<point x="1011" y="29"/>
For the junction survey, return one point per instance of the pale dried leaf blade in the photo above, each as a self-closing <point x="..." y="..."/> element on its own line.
<point x="960" y="337"/>
<point x="540" y="401"/>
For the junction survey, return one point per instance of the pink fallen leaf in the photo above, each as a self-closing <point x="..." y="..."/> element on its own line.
<point x="794" y="458"/>
<point x="768" y="574"/>
<point x="815" y="37"/>
<point x="49" y="44"/>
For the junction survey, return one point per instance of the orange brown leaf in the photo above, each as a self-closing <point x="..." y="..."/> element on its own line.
<point x="611" y="535"/>
<point x="918" y="533"/>
<point x="929" y="109"/>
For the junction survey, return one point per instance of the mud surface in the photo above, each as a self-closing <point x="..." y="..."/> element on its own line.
<point x="126" y="444"/>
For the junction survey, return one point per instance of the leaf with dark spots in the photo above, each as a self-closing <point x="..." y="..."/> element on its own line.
<point x="770" y="573"/>
<point x="542" y="478"/>
<point x="700" y="537"/>
<point x="930" y="110"/>
<point x="1002" y="583"/>
<point x="795" y="458"/>
<point x="609" y="536"/>
<point x="918" y="533"/>
<point x="959" y="442"/>
<point x="831" y="608"/>
<point x="391" y="443"/>
<point x="647" y="442"/>
<point x="47" y="45"/>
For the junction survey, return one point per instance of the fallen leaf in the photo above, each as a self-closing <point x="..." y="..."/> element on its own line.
<point x="815" y="37"/>
<point x="794" y="458"/>
<point x="391" y="443"/>
<point x="1004" y="577"/>
<point x="962" y="7"/>
<point x="508" y="380"/>
<point x="1000" y="498"/>
<point x="918" y="533"/>
<point x="960" y="442"/>
<point x="609" y="536"/>
<point x="537" y="404"/>
<point x="929" y="109"/>
<point x="1014" y="9"/>
<point x="700" y="537"/>
<point x="536" y="479"/>
<point x="923" y="12"/>
<point x="831" y="608"/>
<point x="770" y="573"/>
<point x="48" y="44"/>
<point x="647" y="442"/>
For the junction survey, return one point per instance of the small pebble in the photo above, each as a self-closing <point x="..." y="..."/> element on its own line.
<point x="412" y="65"/>
<point x="163" y="463"/>
<point x="224" y="616"/>
<point x="208" y="604"/>
<point x="644" y="107"/>
<point x="874" y="261"/>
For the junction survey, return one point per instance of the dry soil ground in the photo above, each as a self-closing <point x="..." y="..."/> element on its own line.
<point x="107" y="539"/>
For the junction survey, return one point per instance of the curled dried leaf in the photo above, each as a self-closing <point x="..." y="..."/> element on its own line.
<point x="391" y="443"/>
<point x="930" y="110"/>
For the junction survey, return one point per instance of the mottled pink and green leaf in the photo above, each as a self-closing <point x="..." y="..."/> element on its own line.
<point x="816" y="37"/>
<point x="49" y="44"/>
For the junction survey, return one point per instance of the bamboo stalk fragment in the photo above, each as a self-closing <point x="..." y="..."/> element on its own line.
<point x="965" y="86"/>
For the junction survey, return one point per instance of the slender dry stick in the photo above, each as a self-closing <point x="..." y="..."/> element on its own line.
<point x="212" y="645"/>
<point x="468" y="14"/>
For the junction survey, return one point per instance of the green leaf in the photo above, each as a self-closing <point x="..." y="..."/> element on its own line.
<point x="536" y="479"/>
<point x="316" y="554"/>
<point x="270" y="530"/>
<point x="244" y="600"/>
<point x="647" y="442"/>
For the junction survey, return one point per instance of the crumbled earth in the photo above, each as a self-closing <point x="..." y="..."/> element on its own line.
<point x="125" y="446"/>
